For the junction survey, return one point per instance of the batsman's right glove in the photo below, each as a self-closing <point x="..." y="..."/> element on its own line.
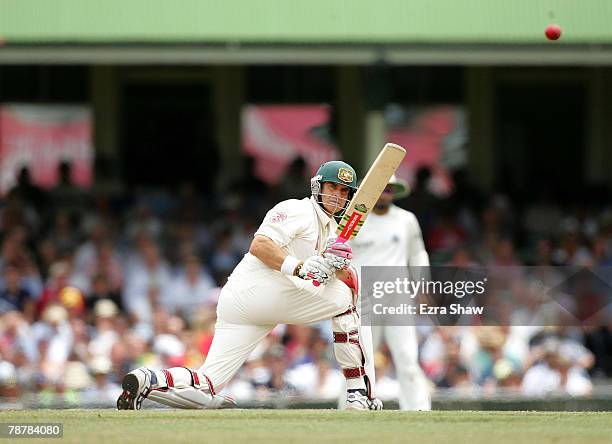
<point x="338" y="254"/>
<point x="316" y="268"/>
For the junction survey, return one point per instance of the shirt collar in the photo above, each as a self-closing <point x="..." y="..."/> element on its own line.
<point x="323" y="217"/>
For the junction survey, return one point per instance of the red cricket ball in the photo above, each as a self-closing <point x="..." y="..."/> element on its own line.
<point x="553" y="32"/>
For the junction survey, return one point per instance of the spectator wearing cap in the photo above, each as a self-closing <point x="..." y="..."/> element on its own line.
<point x="105" y="337"/>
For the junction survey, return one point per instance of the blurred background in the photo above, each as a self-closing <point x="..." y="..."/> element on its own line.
<point x="142" y="142"/>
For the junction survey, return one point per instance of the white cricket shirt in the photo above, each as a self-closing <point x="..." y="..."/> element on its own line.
<point x="299" y="227"/>
<point x="390" y="239"/>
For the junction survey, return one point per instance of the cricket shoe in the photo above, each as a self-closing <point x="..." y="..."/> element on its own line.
<point x="136" y="387"/>
<point x="358" y="400"/>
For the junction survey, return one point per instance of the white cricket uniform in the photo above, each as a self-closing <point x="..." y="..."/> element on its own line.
<point x="256" y="298"/>
<point x="395" y="239"/>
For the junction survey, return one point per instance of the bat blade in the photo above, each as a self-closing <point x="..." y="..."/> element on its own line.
<point x="372" y="186"/>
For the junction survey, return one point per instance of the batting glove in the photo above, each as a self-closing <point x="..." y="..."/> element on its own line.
<point x="316" y="268"/>
<point x="338" y="254"/>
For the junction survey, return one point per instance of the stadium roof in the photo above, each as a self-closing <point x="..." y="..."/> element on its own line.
<point x="244" y="26"/>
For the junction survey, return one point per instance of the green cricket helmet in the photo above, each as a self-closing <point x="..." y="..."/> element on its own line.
<point x="334" y="171"/>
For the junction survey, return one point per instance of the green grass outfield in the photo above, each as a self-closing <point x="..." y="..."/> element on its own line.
<point x="319" y="426"/>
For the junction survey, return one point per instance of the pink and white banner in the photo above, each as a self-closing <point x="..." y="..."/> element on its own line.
<point x="276" y="134"/>
<point x="434" y="136"/>
<point x="42" y="136"/>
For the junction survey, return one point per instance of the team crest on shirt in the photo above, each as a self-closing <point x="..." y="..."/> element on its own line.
<point x="278" y="217"/>
<point x="345" y="175"/>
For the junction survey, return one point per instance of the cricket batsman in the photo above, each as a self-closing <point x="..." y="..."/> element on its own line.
<point x="273" y="284"/>
<point x="392" y="237"/>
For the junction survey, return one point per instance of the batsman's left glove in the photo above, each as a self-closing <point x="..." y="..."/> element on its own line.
<point x="317" y="269"/>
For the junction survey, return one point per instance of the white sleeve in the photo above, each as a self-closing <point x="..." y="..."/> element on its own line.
<point x="284" y="222"/>
<point x="417" y="255"/>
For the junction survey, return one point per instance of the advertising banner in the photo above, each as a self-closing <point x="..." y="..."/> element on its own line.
<point x="42" y="136"/>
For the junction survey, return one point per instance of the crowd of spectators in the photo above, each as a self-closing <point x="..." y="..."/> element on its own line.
<point x="93" y="285"/>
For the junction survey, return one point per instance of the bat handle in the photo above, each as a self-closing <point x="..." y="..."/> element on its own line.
<point x="339" y="240"/>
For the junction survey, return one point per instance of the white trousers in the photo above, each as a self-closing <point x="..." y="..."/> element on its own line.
<point x="403" y="344"/>
<point x="246" y="313"/>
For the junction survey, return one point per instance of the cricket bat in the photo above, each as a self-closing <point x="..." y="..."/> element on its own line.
<point x="372" y="186"/>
